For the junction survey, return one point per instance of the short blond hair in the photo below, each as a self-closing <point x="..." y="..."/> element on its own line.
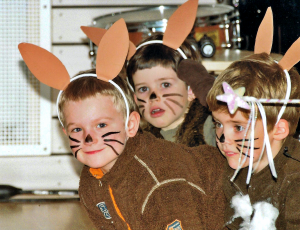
<point x="87" y="87"/>
<point x="262" y="77"/>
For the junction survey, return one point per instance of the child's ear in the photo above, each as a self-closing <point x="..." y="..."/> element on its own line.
<point x="281" y="130"/>
<point x="191" y="95"/>
<point x="133" y="124"/>
<point x="65" y="132"/>
<point x="135" y="98"/>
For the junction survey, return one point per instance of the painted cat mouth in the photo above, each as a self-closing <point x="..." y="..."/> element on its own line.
<point x="93" y="152"/>
<point x="154" y="111"/>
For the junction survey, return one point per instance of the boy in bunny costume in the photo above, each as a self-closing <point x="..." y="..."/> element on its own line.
<point x="255" y="106"/>
<point x="165" y="102"/>
<point x="130" y="180"/>
<point x="167" y="105"/>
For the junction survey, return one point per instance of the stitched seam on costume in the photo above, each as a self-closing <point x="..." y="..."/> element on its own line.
<point x="146" y="166"/>
<point x="158" y="184"/>
<point x="83" y="201"/>
<point x="117" y="208"/>
<point x="166" y="182"/>
<point x="197" y="187"/>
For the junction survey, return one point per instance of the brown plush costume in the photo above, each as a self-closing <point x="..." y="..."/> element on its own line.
<point x="195" y="130"/>
<point x="155" y="184"/>
<point x="283" y="193"/>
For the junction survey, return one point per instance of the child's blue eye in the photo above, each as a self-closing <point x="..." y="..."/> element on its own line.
<point x="76" y="130"/>
<point x="217" y="124"/>
<point x="239" y="128"/>
<point x="143" y="89"/>
<point x="101" y="125"/>
<point x="165" y="85"/>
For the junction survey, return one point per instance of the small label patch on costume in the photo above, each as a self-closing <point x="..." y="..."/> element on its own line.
<point x="175" y="225"/>
<point x="104" y="210"/>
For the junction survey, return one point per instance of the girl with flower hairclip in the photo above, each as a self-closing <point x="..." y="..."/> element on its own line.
<point x="255" y="107"/>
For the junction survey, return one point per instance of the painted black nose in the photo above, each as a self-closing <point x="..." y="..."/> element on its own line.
<point x="153" y="96"/>
<point x="222" y="138"/>
<point x="88" y="139"/>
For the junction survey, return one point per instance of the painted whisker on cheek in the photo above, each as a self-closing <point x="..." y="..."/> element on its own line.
<point x="75" y="154"/>
<point x="143" y="111"/>
<point x="109" y="133"/>
<point x="141" y="100"/>
<point x="240" y="140"/>
<point x="175" y="102"/>
<point x="112" y="149"/>
<point x="72" y="139"/>
<point x="75" y="146"/>
<point x="172" y="94"/>
<point x="246" y="146"/>
<point x="113" y="140"/>
<point x="242" y="152"/>
<point x="170" y="107"/>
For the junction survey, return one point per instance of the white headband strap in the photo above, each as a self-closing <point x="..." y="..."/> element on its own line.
<point x="160" y="42"/>
<point x="287" y="95"/>
<point x="94" y="75"/>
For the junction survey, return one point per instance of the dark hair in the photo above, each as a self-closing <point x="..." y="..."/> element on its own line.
<point x="158" y="54"/>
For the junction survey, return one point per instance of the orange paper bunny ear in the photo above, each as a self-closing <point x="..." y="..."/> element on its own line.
<point x="47" y="68"/>
<point x="291" y="57"/>
<point x="264" y="36"/>
<point x="180" y="24"/>
<point x="131" y="51"/>
<point x="93" y="33"/>
<point x="96" y="34"/>
<point x="112" y="51"/>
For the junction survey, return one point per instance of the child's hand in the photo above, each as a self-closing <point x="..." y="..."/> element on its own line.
<point x="197" y="77"/>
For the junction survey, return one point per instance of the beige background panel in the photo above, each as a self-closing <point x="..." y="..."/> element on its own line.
<point x="39" y="173"/>
<point x="59" y="141"/>
<point x="66" y="22"/>
<point x="75" y="57"/>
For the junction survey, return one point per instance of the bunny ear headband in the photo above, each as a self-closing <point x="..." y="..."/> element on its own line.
<point x="179" y="26"/>
<point x="235" y="98"/>
<point x="49" y="70"/>
<point x="95" y="35"/>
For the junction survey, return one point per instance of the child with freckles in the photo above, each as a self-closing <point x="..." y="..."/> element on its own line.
<point x="255" y="107"/>
<point x="129" y="179"/>
<point x="166" y="103"/>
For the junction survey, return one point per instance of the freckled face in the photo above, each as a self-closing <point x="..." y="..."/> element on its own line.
<point x="96" y="131"/>
<point x="162" y="96"/>
<point x="230" y="131"/>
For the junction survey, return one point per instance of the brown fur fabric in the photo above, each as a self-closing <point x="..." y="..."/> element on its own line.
<point x="282" y="193"/>
<point x="185" y="186"/>
<point x="190" y="133"/>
